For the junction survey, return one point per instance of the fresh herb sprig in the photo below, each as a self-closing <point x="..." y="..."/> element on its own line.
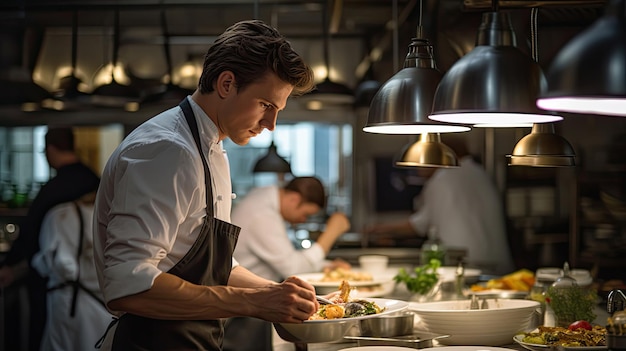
<point x="577" y="303"/>
<point x="422" y="279"/>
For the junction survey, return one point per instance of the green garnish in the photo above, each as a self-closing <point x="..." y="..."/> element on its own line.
<point x="423" y="279"/>
<point x="572" y="303"/>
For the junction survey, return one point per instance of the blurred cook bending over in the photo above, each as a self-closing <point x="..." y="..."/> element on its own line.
<point x="265" y="249"/>
<point x="465" y="208"/>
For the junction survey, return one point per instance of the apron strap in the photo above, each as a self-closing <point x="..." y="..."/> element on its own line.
<point x="191" y="120"/>
<point x="78" y="253"/>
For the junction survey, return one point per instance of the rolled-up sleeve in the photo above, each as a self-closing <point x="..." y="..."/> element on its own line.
<point x="154" y="188"/>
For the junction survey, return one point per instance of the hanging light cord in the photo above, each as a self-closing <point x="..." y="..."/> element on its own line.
<point x="495" y="5"/>
<point x="534" y="52"/>
<point x="394" y="14"/>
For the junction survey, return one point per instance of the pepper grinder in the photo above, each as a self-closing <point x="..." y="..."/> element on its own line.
<point x="616" y="328"/>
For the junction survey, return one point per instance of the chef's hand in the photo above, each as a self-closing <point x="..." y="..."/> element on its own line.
<point x="337" y="223"/>
<point x="291" y="301"/>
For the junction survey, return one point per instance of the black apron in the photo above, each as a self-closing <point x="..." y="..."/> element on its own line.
<point x="208" y="262"/>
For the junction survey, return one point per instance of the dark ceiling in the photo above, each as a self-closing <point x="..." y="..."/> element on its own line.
<point x="451" y="25"/>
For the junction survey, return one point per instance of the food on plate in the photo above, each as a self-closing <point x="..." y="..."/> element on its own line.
<point x="559" y="336"/>
<point x="345" y="307"/>
<point x="341" y="274"/>
<point x="521" y="280"/>
<point x="580" y="324"/>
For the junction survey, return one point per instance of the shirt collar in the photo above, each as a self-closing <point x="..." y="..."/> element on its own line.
<point x="206" y="127"/>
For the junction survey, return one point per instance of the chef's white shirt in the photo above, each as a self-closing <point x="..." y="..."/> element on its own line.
<point x="464" y="207"/>
<point x="264" y="246"/>
<point x="151" y="200"/>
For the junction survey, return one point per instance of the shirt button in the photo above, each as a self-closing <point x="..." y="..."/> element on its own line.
<point x="233" y="196"/>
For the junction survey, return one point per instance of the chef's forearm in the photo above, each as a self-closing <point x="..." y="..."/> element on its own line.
<point x="173" y="298"/>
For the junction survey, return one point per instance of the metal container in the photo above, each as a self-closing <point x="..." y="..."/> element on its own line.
<point x="308" y="333"/>
<point x="388" y="325"/>
<point x="416" y="340"/>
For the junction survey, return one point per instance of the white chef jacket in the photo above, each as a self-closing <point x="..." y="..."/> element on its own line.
<point x="151" y="200"/>
<point x="264" y="246"/>
<point x="56" y="260"/>
<point x="464" y="207"/>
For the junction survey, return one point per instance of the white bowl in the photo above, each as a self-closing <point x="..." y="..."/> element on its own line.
<point x="494" y="326"/>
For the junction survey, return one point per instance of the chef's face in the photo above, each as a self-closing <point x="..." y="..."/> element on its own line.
<point x="301" y="212"/>
<point x="246" y="112"/>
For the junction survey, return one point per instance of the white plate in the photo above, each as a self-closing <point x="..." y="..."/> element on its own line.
<point x="540" y="347"/>
<point x="377" y="348"/>
<point x="315" y="280"/>
<point x="390" y="306"/>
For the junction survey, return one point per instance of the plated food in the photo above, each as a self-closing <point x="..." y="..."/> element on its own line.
<point x="521" y="280"/>
<point x="563" y="338"/>
<point x="364" y="284"/>
<point x="345" y="307"/>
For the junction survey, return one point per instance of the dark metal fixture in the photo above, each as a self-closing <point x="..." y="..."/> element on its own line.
<point x="588" y="75"/>
<point x="272" y="162"/>
<point x="495" y="84"/>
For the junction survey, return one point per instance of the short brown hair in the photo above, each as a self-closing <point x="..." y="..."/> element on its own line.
<point x="310" y="188"/>
<point x="250" y="49"/>
<point x="61" y="137"/>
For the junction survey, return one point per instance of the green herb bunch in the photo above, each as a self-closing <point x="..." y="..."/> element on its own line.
<point x="422" y="279"/>
<point x="574" y="303"/>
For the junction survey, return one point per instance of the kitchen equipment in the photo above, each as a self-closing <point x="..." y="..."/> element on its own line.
<point x="389" y="325"/>
<point x="416" y="340"/>
<point x="616" y="330"/>
<point x="330" y="330"/>
<point x="495" y="326"/>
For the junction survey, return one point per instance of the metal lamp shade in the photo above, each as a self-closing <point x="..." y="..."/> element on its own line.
<point x="428" y="151"/>
<point x="402" y="104"/>
<point x="543" y="148"/>
<point x="589" y="74"/>
<point x="272" y="162"/>
<point x="495" y="84"/>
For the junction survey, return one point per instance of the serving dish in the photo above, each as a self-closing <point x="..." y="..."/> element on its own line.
<point x="330" y="330"/>
<point x="494" y="326"/>
<point x="540" y="347"/>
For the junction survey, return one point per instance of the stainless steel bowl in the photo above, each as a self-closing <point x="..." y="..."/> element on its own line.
<point x="314" y="332"/>
<point x="389" y="325"/>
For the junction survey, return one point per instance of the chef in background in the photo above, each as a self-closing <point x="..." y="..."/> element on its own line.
<point x="265" y="249"/>
<point x="465" y="209"/>
<point x="76" y="315"/>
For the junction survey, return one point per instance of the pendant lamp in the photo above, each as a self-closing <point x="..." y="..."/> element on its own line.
<point x="402" y="104"/>
<point x="495" y="84"/>
<point x="428" y="151"/>
<point x="588" y="75"/>
<point x="115" y="94"/>
<point x="69" y="96"/>
<point x="272" y="162"/>
<point x="327" y="93"/>
<point x="543" y="148"/>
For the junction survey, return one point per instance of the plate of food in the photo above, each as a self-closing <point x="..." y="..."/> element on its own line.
<point x="513" y="285"/>
<point x="332" y="278"/>
<point x="563" y="339"/>
<point x="332" y="321"/>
